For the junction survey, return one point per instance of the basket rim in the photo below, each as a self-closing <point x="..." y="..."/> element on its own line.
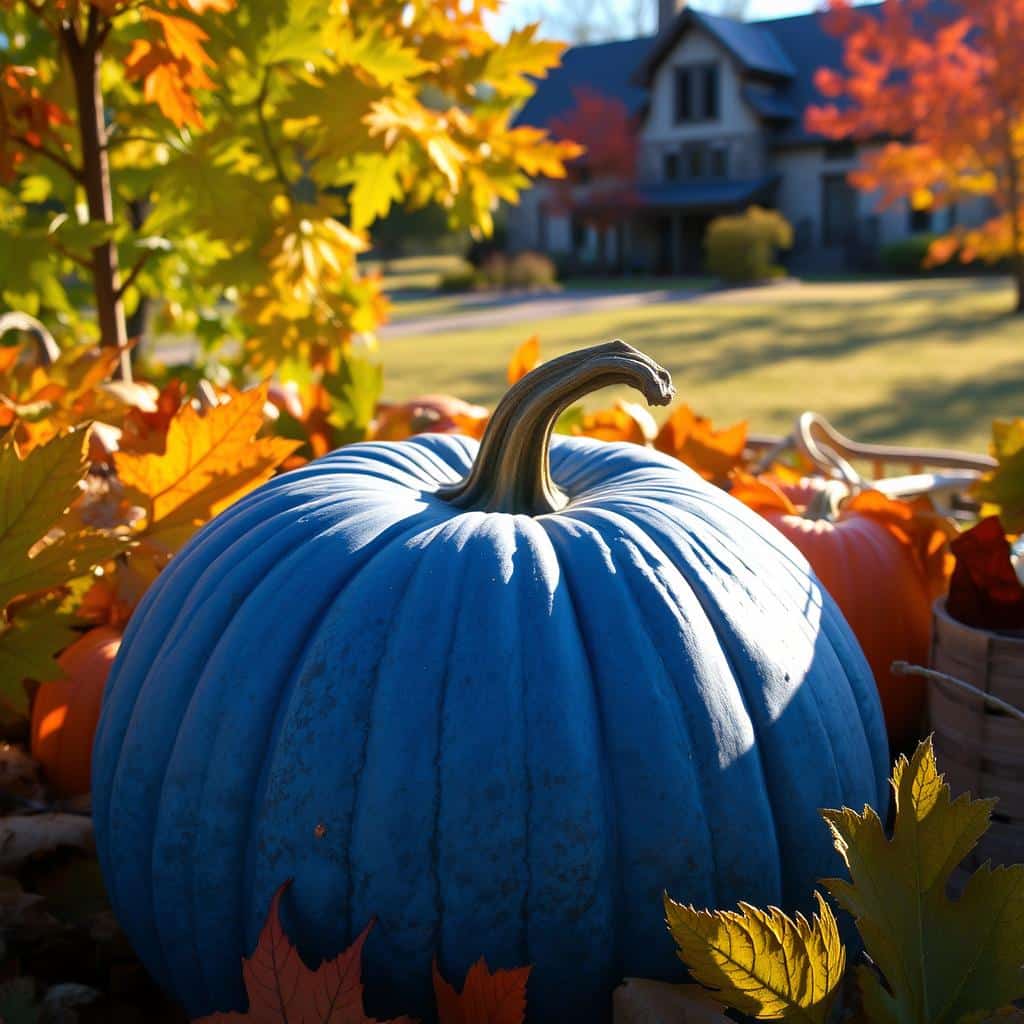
<point x="1012" y="640"/>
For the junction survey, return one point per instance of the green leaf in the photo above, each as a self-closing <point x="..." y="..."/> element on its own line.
<point x="762" y="962"/>
<point x="942" y="959"/>
<point x="36" y="188"/>
<point x="354" y="391"/>
<point x="35" y="492"/>
<point x="29" y="645"/>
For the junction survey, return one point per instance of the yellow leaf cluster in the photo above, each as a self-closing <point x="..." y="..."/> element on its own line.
<point x="1002" y="490"/>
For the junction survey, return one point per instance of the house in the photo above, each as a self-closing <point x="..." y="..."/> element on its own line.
<point x="720" y="107"/>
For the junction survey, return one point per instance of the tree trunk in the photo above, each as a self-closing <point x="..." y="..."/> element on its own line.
<point x="84" y="56"/>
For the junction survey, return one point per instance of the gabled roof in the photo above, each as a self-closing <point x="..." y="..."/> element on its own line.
<point x="783" y="53"/>
<point x="606" y="68"/>
<point x="756" y="49"/>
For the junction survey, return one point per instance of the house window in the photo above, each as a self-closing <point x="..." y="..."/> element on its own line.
<point x="671" y="166"/>
<point x="695" y="161"/>
<point x="719" y="162"/>
<point x="839" y="201"/>
<point x="920" y="221"/>
<point x="697" y="93"/>
<point x="841" y="150"/>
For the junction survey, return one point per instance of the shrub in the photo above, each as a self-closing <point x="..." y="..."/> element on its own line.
<point x="465" y="279"/>
<point x="742" y="248"/>
<point x="530" y="270"/>
<point x="907" y="256"/>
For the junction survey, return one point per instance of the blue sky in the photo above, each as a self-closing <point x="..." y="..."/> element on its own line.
<point x="518" y="11"/>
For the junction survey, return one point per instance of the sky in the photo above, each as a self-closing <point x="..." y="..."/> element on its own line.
<point x="516" y="12"/>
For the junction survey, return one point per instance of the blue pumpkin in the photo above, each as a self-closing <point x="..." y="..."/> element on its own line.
<point x="502" y="715"/>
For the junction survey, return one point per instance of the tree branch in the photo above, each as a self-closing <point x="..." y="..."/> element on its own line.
<point x="133" y="274"/>
<point x="62" y="161"/>
<point x="79" y="261"/>
<point x="275" y="157"/>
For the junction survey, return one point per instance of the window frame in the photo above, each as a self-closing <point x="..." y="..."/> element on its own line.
<point x="703" y="83"/>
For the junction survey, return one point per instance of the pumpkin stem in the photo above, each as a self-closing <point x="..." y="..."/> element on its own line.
<point x="512" y="471"/>
<point x="827" y="502"/>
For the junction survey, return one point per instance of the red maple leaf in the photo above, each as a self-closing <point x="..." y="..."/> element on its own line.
<point x="486" y="998"/>
<point x="283" y="990"/>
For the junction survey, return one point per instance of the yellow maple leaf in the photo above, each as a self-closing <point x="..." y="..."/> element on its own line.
<point x="209" y="462"/>
<point x="762" y="962"/>
<point x="943" y="960"/>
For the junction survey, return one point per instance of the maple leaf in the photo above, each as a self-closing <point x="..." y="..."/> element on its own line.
<point x="692" y="439"/>
<point x="486" y="998"/>
<point x="29" y="645"/>
<point x="208" y="463"/>
<point x="524" y="359"/>
<point x="762" y="962"/>
<point x="36" y="491"/>
<point x="281" y="988"/>
<point x="943" y="960"/>
<point x="625" y="421"/>
<point x="1003" y="488"/>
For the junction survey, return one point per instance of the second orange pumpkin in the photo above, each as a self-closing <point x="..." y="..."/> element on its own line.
<point x="66" y="711"/>
<point x="884" y="563"/>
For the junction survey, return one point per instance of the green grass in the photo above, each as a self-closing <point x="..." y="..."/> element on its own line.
<point x="927" y="362"/>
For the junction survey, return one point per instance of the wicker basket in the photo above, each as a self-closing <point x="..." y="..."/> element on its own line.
<point x="980" y="748"/>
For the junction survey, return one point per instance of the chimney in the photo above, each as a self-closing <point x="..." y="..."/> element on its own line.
<point x="667" y="11"/>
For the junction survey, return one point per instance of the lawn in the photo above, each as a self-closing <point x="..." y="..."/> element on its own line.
<point x="929" y="362"/>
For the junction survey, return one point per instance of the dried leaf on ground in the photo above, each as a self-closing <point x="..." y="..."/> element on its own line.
<point x="281" y="988"/>
<point x="486" y="997"/>
<point x="943" y="960"/>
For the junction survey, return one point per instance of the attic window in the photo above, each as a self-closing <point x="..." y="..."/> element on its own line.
<point x="697" y="93"/>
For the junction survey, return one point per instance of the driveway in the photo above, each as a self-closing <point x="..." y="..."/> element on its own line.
<point x="513" y="309"/>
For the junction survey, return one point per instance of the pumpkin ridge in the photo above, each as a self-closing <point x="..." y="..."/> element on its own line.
<point x="727" y="635"/>
<point x="651" y="575"/>
<point x="556" y="528"/>
<point x="435" y="530"/>
<point x="395" y="533"/>
<point x="237" y="532"/>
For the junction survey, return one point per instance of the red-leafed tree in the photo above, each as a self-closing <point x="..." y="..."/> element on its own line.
<point x="940" y="85"/>
<point x="600" y="186"/>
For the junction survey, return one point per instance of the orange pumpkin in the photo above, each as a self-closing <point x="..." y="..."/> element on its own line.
<point x="429" y="414"/>
<point x="884" y="562"/>
<point x="66" y="711"/>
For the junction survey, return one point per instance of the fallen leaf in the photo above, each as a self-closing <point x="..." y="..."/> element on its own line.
<point x="692" y="439"/>
<point x="282" y="989"/>
<point x="943" y="961"/>
<point x="984" y="591"/>
<point x="486" y="998"/>
<point x="524" y="359"/>
<point x="762" y="962"/>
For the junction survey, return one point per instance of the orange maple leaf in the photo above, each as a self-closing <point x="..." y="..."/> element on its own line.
<point x="282" y="988"/>
<point x="692" y="439"/>
<point x="524" y="359"/>
<point x="486" y="998"/>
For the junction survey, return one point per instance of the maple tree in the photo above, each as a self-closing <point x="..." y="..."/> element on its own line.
<point x="940" y="85"/>
<point x="600" y="186"/>
<point x="229" y="161"/>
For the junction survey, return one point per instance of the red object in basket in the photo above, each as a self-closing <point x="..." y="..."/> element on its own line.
<point x="984" y="591"/>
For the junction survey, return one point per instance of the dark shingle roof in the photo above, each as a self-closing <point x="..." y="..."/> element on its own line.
<point x="711" y="194"/>
<point x="606" y="68"/>
<point x="788" y="50"/>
